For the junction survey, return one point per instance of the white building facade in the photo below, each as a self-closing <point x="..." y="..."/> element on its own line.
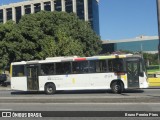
<point x="85" y="9"/>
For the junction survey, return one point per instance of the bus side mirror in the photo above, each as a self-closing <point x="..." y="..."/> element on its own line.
<point x="141" y="74"/>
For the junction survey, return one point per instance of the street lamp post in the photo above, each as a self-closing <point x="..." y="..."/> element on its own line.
<point x="158" y="19"/>
<point x="142" y="50"/>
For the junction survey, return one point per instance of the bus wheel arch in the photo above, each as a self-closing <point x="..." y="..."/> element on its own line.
<point x="50" y="88"/>
<point x="117" y="86"/>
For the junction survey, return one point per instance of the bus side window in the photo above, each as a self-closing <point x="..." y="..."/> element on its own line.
<point x="101" y="66"/>
<point x="18" y="70"/>
<point x="67" y="68"/>
<point x="115" y="65"/>
<point x="80" y="67"/>
<point x="92" y="66"/>
<point x="42" y="72"/>
<point x="63" y="68"/>
<point x="47" y="69"/>
<point x="97" y="66"/>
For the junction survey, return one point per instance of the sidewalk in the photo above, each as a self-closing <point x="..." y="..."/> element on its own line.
<point x="154" y="87"/>
<point x="5" y="88"/>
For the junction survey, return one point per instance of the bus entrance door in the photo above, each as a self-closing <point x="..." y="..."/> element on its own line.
<point x="132" y="68"/>
<point x="32" y="77"/>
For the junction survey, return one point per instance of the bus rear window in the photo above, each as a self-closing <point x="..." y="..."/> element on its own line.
<point x="18" y="70"/>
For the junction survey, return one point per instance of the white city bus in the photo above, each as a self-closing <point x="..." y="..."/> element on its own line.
<point x="115" y="72"/>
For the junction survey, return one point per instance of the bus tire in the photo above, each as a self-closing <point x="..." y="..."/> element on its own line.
<point x="50" y="88"/>
<point x="117" y="87"/>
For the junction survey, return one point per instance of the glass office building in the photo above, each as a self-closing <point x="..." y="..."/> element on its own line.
<point x="87" y="10"/>
<point x="147" y="44"/>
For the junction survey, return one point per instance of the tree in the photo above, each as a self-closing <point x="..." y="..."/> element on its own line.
<point x="151" y="59"/>
<point x="47" y="34"/>
<point x="69" y="35"/>
<point x="10" y="43"/>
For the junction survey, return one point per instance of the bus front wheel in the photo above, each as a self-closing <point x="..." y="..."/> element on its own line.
<point x="50" y="88"/>
<point x="117" y="87"/>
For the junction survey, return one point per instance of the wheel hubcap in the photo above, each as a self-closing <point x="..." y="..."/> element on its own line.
<point x="116" y="87"/>
<point x="50" y="89"/>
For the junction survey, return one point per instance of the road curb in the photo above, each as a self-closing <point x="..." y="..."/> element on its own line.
<point x="153" y="87"/>
<point x="5" y="88"/>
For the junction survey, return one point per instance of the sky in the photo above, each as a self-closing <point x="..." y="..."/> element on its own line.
<point x="123" y="19"/>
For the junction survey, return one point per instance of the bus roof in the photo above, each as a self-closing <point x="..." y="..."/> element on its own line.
<point x="76" y="58"/>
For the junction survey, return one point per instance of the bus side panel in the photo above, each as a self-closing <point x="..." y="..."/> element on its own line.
<point x="77" y="81"/>
<point x="19" y="83"/>
<point x="65" y="82"/>
<point x="100" y="80"/>
<point x="143" y="81"/>
<point x="81" y="81"/>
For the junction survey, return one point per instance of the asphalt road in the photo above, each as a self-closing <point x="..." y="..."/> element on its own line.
<point x="94" y="96"/>
<point x="80" y="107"/>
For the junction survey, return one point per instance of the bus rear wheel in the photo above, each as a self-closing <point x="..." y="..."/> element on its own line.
<point x="50" y="88"/>
<point x="117" y="87"/>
